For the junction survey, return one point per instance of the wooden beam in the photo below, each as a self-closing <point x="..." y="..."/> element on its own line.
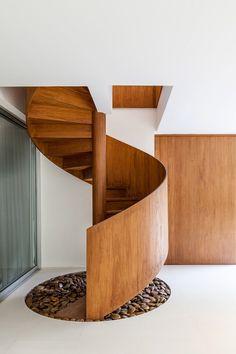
<point x="99" y="166"/>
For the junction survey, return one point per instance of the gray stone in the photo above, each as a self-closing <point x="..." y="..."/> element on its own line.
<point x="55" y="294"/>
<point x="115" y="316"/>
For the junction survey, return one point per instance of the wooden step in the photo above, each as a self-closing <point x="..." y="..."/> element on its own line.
<point x="118" y="191"/>
<point x="76" y="173"/>
<point x="59" y="113"/>
<point x="88" y="175"/>
<point x="112" y="212"/>
<point x="84" y="174"/>
<point x="89" y="180"/>
<point x="79" y="89"/>
<point x="56" y="160"/>
<point x="114" y="203"/>
<point x="77" y="168"/>
<point x="65" y="95"/>
<point x="77" y="161"/>
<point x="61" y="131"/>
<point x="41" y="146"/>
<point x="67" y="148"/>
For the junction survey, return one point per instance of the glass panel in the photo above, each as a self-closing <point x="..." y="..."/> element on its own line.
<point x="17" y="203"/>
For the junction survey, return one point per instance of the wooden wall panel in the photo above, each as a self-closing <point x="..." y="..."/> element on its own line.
<point x="202" y="197"/>
<point x="135" y="96"/>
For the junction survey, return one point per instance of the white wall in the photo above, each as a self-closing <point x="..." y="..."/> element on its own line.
<point x="135" y="127"/>
<point x="66" y="213"/>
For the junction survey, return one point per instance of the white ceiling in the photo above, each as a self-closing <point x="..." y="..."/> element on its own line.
<point x="188" y="44"/>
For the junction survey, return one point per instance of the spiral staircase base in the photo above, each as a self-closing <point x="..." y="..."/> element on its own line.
<point x="64" y="298"/>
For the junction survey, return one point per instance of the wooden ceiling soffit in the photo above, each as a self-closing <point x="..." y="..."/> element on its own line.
<point x="136" y="96"/>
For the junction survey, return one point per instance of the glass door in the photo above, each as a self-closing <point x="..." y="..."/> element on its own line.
<point x="18" y="243"/>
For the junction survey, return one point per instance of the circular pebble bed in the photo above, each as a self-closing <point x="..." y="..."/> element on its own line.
<point x="55" y="295"/>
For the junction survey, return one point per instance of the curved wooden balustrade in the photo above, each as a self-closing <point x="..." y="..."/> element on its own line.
<point x="126" y="250"/>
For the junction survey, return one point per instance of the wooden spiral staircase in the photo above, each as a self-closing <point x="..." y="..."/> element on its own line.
<point x="128" y="242"/>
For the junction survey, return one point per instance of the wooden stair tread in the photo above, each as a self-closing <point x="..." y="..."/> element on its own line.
<point x="89" y="180"/>
<point x="118" y="203"/>
<point x="67" y="148"/>
<point x="75" y="161"/>
<point x="77" y="168"/>
<point x="113" y="192"/>
<point x="60" y="123"/>
<point x="127" y="198"/>
<point x="79" y="89"/>
<point x="60" y="131"/>
<point x="109" y="212"/>
<point x="76" y="173"/>
<point x="88" y="173"/>
<point x="56" y="160"/>
<point x="84" y="174"/>
<point x="65" y="95"/>
<point x="59" y="113"/>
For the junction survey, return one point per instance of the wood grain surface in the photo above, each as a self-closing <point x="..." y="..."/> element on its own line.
<point x="135" y="96"/>
<point x="126" y="251"/>
<point x="202" y="197"/>
<point x="99" y="167"/>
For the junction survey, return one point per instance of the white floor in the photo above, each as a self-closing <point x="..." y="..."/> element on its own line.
<point x="199" y="318"/>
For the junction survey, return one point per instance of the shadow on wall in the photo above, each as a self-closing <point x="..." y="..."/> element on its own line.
<point x="16" y="96"/>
